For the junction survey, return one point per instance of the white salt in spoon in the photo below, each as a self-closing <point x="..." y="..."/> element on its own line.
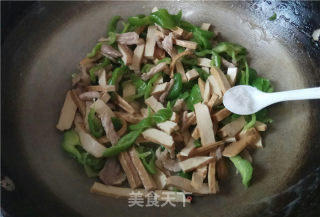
<point x="246" y="100"/>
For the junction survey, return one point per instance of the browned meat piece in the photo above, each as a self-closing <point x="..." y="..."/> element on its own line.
<point x="111" y="174"/>
<point x="110" y="52"/>
<point x="167" y="45"/>
<point x="90" y="95"/>
<point x="128" y="38"/>
<point x="154" y="70"/>
<point x="165" y="94"/>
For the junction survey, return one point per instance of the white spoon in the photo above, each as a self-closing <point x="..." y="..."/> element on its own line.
<point x="246" y="100"/>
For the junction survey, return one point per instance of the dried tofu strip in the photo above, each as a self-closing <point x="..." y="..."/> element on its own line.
<point x="221" y="79"/>
<point x="231" y="129"/>
<point x="150" y="42"/>
<point x="187" y="44"/>
<point x="220" y="115"/>
<point x="180" y="69"/>
<point x="124" y="104"/>
<point x="204" y="62"/>
<point x="80" y="104"/>
<point x="101" y="108"/>
<point x="158" y="137"/>
<point x="137" y="57"/>
<point x="249" y="138"/>
<point x="105" y="88"/>
<point x="198" y="177"/>
<point x="212" y="182"/>
<point x="127" y="54"/>
<point x="102" y="78"/>
<point x="145" y="177"/>
<point x="232" y="75"/>
<point x="154" y="103"/>
<point x="176" y="58"/>
<point x="205" y="26"/>
<point x="206" y="92"/>
<point x="195" y="162"/>
<point x="192" y="74"/>
<point x="130" y="171"/>
<point x="121" y="192"/>
<point x="160" y="88"/>
<point x="185" y="184"/>
<point x="201" y="84"/>
<point x="204" y="124"/>
<point x="129" y="89"/>
<point x="203" y="150"/>
<point x="188" y="148"/>
<point x="130" y="118"/>
<point x="67" y="113"/>
<point x="196" y="134"/>
<point x="260" y="126"/>
<point x="168" y="126"/>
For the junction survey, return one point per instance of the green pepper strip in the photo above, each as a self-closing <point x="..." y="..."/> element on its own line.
<point x="127" y="140"/>
<point x="123" y="144"/>
<point x="216" y="60"/>
<point x="95" y="125"/>
<point x="177" y="87"/>
<point x="150" y="85"/>
<point x="117" y="75"/>
<point x="101" y="65"/>
<point x="112" y="26"/>
<point x="244" y="167"/>
<point x="203" y="74"/>
<point x="94" y="50"/>
<point x="148" y="165"/>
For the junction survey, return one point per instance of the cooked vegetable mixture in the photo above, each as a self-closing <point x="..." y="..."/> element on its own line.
<point x="145" y="109"/>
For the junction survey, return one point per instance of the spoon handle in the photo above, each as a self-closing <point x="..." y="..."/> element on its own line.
<point x="308" y="93"/>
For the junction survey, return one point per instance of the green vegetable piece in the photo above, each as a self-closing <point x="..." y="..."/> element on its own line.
<point x="123" y="144"/>
<point x="166" y="60"/>
<point x="150" y="84"/>
<point x="162" y="115"/>
<point x="251" y="123"/>
<point x="112" y="38"/>
<point x="143" y="124"/>
<point x="176" y="88"/>
<point x="116" y="123"/>
<point x="70" y="140"/>
<point x="202" y="37"/>
<point x="187" y="175"/>
<point x="216" y="59"/>
<point x="273" y="17"/>
<point x="262" y="116"/>
<point x="197" y="143"/>
<point x="101" y="65"/>
<point x="166" y="20"/>
<point x="244" y="167"/>
<point x="140" y="21"/>
<point x="126" y="27"/>
<point x="147" y="157"/>
<point x="140" y="86"/>
<point x="202" y="74"/>
<point x="117" y="75"/>
<point x="112" y="26"/>
<point x="194" y="98"/>
<point x="95" y="125"/>
<point x="231" y="49"/>
<point x="94" y="50"/>
<point x="146" y="68"/>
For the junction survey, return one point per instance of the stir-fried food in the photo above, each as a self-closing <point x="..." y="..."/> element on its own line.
<point x="145" y="110"/>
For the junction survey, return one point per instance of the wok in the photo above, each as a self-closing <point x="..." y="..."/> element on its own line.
<point x="42" y="51"/>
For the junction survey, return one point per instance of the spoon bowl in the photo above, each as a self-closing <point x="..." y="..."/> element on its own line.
<point x="246" y="100"/>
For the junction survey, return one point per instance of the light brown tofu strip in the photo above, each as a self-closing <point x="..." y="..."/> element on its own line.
<point x="231" y="129"/>
<point x="101" y="108"/>
<point x="187" y="44"/>
<point x="150" y="42"/>
<point x="221" y="79"/>
<point x="180" y="69"/>
<point x="249" y="138"/>
<point x="198" y="177"/>
<point x="131" y="172"/>
<point x="120" y="192"/>
<point x="130" y="118"/>
<point x="220" y="115"/>
<point x="185" y="184"/>
<point x="201" y="84"/>
<point x="196" y="134"/>
<point x="168" y="126"/>
<point x="67" y="113"/>
<point x="194" y="162"/>
<point x="129" y="89"/>
<point x="105" y="97"/>
<point x="158" y="137"/>
<point x="203" y="150"/>
<point x="80" y="104"/>
<point x="160" y="88"/>
<point x="205" y="26"/>
<point x="127" y="54"/>
<point x="214" y="100"/>
<point x="106" y="88"/>
<point x="204" y="124"/>
<point x="137" y="57"/>
<point x="145" y="177"/>
<point x="204" y="62"/>
<point x="212" y="182"/>
<point x="154" y="103"/>
<point x="188" y="148"/>
<point x="192" y="74"/>
<point x="124" y="104"/>
<point x="232" y="75"/>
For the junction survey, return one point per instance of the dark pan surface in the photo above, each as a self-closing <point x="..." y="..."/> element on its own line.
<point x="42" y="52"/>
